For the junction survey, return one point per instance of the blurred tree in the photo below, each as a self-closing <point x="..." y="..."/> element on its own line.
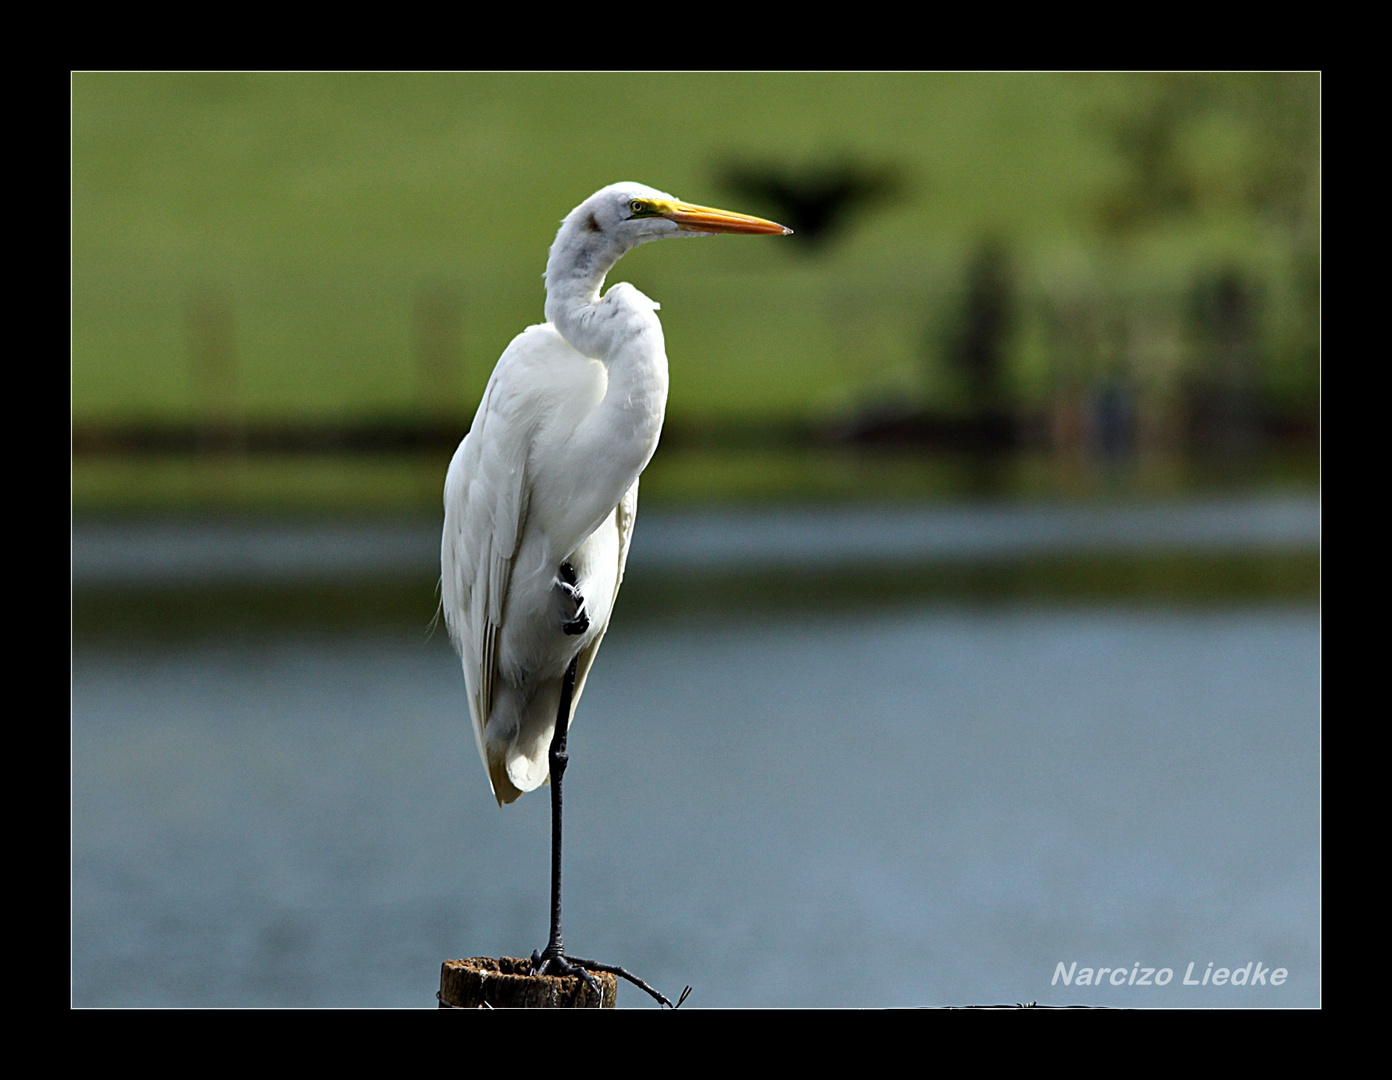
<point x="815" y="202"/>
<point x="438" y="330"/>
<point x="213" y="355"/>
<point x="1236" y="155"/>
<point x="1223" y="395"/>
<point x="981" y="338"/>
<point x="1211" y="144"/>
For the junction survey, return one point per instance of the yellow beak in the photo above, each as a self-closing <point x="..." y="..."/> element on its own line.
<point x="707" y="219"/>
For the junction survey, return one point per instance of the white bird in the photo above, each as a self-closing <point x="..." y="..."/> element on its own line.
<point x="541" y="495"/>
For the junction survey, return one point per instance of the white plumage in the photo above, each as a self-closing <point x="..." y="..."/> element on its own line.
<point x="541" y="495"/>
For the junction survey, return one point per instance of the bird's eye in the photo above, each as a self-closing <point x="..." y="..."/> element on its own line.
<point x="635" y="206"/>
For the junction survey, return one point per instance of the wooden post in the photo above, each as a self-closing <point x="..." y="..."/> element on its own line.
<point x="507" y="983"/>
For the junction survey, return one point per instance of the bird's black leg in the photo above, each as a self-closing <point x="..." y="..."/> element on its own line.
<point x="565" y="582"/>
<point x="553" y="959"/>
<point x="553" y="956"/>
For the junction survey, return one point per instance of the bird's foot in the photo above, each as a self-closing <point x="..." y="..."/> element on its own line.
<point x="555" y="962"/>
<point x="579" y="622"/>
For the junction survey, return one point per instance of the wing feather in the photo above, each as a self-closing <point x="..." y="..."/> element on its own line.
<point x="485" y="517"/>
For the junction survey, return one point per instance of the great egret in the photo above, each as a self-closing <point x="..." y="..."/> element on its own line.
<point x="541" y="495"/>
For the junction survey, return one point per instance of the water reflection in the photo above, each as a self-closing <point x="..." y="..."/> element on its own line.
<point x="155" y="552"/>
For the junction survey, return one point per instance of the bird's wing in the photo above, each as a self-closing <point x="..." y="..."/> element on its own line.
<point x="624" y="515"/>
<point x="486" y="496"/>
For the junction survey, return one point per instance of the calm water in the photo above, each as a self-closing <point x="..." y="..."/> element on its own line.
<point x="924" y="808"/>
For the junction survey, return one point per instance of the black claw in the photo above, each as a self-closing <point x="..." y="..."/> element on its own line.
<point x="561" y="965"/>
<point x="614" y="969"/>
<point x="558" y="963"/>
<point x="565" y="581"/>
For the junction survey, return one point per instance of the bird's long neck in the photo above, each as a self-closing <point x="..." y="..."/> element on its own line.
<point x="580" y="259"/>
<point x="621" y="331"/>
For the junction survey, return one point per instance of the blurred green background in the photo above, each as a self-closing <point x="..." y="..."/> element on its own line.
<point x="289" y="289"/>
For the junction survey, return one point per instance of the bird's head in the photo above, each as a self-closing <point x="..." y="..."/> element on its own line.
<point x="616" y="219"/>
<point x="630" y="214"/>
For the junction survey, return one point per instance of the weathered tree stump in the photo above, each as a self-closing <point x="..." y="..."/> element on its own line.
<point x="506" y="983"/>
